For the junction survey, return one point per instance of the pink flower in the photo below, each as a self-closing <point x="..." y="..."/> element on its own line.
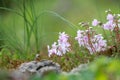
<point x="109" y="26"/>
<point x="100" y="44"/>
<point x="59" y="53"/>
<point x="98" y="37"/>
<point x="95" y="22"/>
<point x="53" y="50"/>
<point x="63" y="37"/>
<point x="79" y="38"/>
<point x="110" y="17"/>
<point x="85" y="39"/>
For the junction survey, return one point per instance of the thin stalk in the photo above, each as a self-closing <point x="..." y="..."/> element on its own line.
<point x="117" y="36"/>
<point x="106" y="36"/>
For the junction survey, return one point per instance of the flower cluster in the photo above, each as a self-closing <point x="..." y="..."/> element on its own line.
<point x="88" y="38"/>
<point x="94" y="43"/>
<point x="61" y="47"/>
<point x="112" y="24"/>
<point x="112" y="20"/>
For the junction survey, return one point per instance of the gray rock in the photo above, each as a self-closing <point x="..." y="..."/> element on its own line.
<point x="78" y="69"/>
<point x="39" y="68"/>
<point x="28" y="66"/>
<point x="45" y="67"/>
<point x="17" y="75"/>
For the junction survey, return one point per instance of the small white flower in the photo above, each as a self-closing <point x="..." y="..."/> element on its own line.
<point x="118" y="15"/>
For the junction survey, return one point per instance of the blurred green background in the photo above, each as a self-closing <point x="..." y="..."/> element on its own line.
<point x="74" y="11"/>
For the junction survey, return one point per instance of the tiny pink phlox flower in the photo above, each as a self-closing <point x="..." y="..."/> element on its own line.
<point x="110" y="25"/>
<point x="63" y="38"/>
<point x="91" y="49"/>
<point x="100" y="43"/>
<point x="60" y="48"/>
<point x="79" y="38"/>
<point x="85" y="39"/>
<point x="110" y="17"/>
<point x="53" y="49"/>
<point x="95" y="22"/>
